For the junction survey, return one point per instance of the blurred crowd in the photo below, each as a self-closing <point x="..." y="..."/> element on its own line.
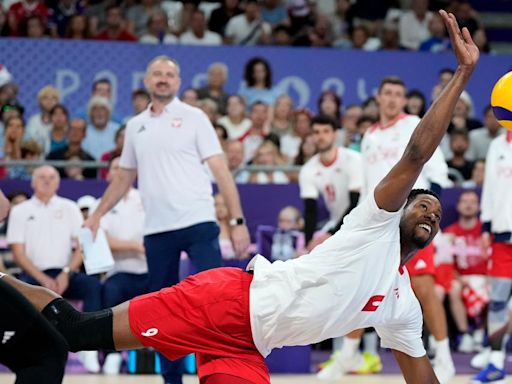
<point x="358" y="24"/>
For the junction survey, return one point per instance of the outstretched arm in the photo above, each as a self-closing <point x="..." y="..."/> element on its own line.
<point x="392" y="191"/>
<point x="417" y="370"/>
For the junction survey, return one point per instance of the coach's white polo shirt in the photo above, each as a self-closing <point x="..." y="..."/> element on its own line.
<point x="168" y="151"/>
<point x="46" y="230"/>
<point x="126" y="222"/>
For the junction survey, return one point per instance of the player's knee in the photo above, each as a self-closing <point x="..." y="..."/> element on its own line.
<point x="82" y="331"/>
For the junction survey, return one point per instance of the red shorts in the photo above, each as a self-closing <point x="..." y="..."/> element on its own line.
<point x="423" y="262"/>
<point x="501" y="260"/>
<point x="206" y="314"/>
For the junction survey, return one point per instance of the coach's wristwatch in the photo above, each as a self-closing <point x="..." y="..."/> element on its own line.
<point x="237" y="221"/>
<point x="66" y="270"/>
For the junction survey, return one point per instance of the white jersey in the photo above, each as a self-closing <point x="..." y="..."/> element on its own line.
<point x="126" y="222"/>
<point x="168" y="151"/>
<point x="352" y="280"/>
<point x="332" y="181"/>
<point x="496" y="206"/>
<point x="382" y="147"/>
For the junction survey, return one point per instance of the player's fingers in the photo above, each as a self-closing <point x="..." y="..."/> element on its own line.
<point x="467" y="36"/>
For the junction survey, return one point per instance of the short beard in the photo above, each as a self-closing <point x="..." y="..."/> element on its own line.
<point x="420" y="243"/>
<point x="163" y="98"/>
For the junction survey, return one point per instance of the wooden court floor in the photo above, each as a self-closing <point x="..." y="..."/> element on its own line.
<point x="276" y="379"/>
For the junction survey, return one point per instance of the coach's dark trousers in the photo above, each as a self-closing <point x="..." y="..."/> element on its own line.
<point x="163" y="250"/>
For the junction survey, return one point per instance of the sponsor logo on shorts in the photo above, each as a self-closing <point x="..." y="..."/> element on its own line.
<point x="420" y="265"/>
<point x="7" y="336"/>
<point x="150" y="332"/>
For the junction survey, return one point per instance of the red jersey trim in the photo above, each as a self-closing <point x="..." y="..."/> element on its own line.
<point x="327" y="165"/>
<point x="377" y="125"/>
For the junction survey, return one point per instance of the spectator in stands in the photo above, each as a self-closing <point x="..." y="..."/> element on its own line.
<point x="30" y="150"/>
<point x="390" y="37"/>
<point x="281" y="36"/>
<point x="100" y="87"/>
<point x="274" y="13"/>
<point x="318" y="35"/>
<point x="470" y="270"/>
<point x="8" y="89"/>
<point x="307" y="150"/>
<point x="124" y="228"/>
<point x="258" y="82"/>
<point x="116" y="152"/>
<point x="222" y="134"/>
<point x="11" y="108"/>
<point x="13" y="137"/>
<point x="290" y="143"/>
<point x="34" y="27"/>
<point x="4" y="25"/>
<point x="255" y="136"/>
<point x="480" y="39"/>
<point x="477" y="175"/>
<point x="459" y="144"/>
<point x="58" y="135"/>
<point x="220" y="17"/>
<point x="466" y="16"/>
<point x="101" y="129"/>
<point x="78" y="28"/>
<point x="40" y="124"/>
<point x="341" y="22"/>
<point x="288" y="240"/>
<point x="221" y="212"/>
<point x="189" y="96"/>
<point x="214" y="88"/>
<point x="235" y="121"/>
<point x="210" y="108"/>
<point x="140" y="101"/>
<point x="267" y="154"/>
<point x="282" y="116"/>
<point x="235" y="155"/>
<point x="74" y="172"/>
<point x="362" y="125"/>
<point x="462" y="115"/>
<point x="41" y="234"/>
<point x="347" y="134"/>
<point x="330" y="104"/>
<point x="414" y="24"/>
<point x="138" y="15"/>
<point x="62" y="12"/>
<point x="179" y="21"/>
<point x="115" y="30"/>
<point x="359" y="37"/>
<point x="480" y="138"/>
<point x="301" y="15"/>
<point x="198" y="34"/>
<point x="158" y="30"/>
<point x="73" y="149"/>
<point x="20" y="11"/>
<point x="438" y="41"/>
<point x="416" y="103"/>
<point x="248" y="28"/>
<point x="445" y="75"/>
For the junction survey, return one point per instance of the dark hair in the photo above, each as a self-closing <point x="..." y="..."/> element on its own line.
<point x="417" y="93"/>
<point x="249" y="69"/>
<point x="258" y="102"/>
<point x="487" y="108"/>
<point x="446" y="70"/>
<point x="24" y="25"/>
<point x="86" y="33"/>
<point x="391" y="80"/>
<point x="119" y="131"/>
<point x="416" y="192"/>
<point x="140" y="92"/>
<point x="459" y="132"/>
<point x="59" y="107"/>
<point x="274" y="139"/>
<point x="102" y="80"/>
<point x="11" y="104"/>
<point x="337" y="101"/>
<point x="113" y="6"/>
<point x="466" y="191"/>
<point x="14" y="194"/>
<point x="12" y="118"/>
<point x="300" y="159"/>
<point x="223" y="129"/>
<point x="365" y="119"/>
<point x="324" y="120"/>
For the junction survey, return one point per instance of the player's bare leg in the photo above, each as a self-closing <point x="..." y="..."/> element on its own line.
<point x="460" y="317"/>
<point x="435" y="318"/>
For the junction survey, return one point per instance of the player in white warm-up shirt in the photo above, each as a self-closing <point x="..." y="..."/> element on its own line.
<point x="334" y="173"/>
<point x="231" y="319"/>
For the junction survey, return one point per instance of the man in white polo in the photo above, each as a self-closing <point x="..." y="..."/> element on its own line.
<point x="41" y="232"/>
<point x="166" y="146"/>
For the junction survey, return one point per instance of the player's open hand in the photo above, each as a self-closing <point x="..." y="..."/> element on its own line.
<point x="240" y="239"/>
<point x="463" y="45"/>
